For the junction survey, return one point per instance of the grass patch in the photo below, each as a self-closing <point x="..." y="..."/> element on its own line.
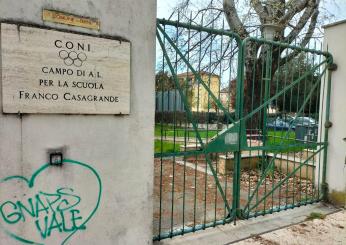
<point x="169" y="131"/>
<point x="166" y="147"/>
<point x="315" y="215"/>
<point x="283" y="139"/>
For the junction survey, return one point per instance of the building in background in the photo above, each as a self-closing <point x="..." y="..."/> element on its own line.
<point x="226" y="98"/>
<point x="198" y="96"/>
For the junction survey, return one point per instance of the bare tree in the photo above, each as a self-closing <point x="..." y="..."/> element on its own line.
<point x="294" y="19"/>
<point x="294" y="22"/>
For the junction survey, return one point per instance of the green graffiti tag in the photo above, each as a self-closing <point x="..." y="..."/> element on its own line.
<point x="51" y="210"/>
<point x="48" y="212"/>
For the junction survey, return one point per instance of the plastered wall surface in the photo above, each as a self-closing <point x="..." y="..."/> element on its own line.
<point x="334" y="42"/>
<point x="103" y="194"/>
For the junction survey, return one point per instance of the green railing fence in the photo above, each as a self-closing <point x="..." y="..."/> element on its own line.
<point x="249" y="139"/>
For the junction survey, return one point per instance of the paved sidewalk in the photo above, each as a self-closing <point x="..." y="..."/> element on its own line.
<point x="328" y="231"/>
<point x="226" y="234"/>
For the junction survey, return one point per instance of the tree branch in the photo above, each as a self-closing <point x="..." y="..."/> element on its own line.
<point x="305" y="40"/>
<point x="293" y="8"/>
<point x="308" y="13"/>
<point x="260" y="10"/>
<point x="233" y="18"/>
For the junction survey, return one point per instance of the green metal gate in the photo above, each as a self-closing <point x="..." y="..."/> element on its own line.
<point x="238" y="129"/>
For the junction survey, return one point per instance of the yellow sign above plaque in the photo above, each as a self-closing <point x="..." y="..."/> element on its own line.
<point x="70" y="19"/>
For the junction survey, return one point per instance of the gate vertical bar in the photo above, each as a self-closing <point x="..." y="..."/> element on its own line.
<point x="238" y="115"/>
<point x="267" y="80"/>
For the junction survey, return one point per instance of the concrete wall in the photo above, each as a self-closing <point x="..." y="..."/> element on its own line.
<point x="118" y="148"/>
<point x="335" y="39"/>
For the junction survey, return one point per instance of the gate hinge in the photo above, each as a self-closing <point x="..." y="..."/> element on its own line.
<point x="328" y="124"/>
<point x="332" y="67"/>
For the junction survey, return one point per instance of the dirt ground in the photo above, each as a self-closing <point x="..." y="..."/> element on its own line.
<point x="328" y="231"/>
<point x="188" y="195"/>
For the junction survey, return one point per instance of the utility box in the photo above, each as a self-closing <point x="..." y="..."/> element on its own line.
<point x="306" y="133"/>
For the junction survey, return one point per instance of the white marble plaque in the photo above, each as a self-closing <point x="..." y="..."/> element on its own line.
<point x="47" y="71"/>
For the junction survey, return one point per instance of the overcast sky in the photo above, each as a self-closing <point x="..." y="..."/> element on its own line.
<point x="336" y="7"/>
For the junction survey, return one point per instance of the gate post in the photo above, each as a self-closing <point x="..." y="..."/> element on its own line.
<point x="77" y="158"/>
<point x="334" y="162"/>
